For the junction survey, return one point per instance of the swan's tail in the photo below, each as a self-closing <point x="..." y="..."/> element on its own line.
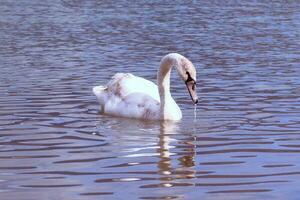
<point x="100" y="92"/>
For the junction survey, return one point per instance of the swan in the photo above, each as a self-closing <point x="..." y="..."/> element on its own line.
<point x="131" y="96"/>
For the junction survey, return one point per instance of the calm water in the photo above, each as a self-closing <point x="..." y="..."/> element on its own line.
<point x="243" y="144"/>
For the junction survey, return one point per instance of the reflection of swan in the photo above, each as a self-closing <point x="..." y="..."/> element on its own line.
<point x="166" y="129"/>
<point x="130" y="96"/>
<point x="186" y="160"/>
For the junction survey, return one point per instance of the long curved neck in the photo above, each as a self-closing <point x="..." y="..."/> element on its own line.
<point x="163" y="79"/>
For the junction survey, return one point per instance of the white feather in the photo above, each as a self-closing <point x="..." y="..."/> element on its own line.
<point x="131" y="96"/>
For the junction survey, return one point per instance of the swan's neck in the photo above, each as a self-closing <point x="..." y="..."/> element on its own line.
<point x="167" y="103"/>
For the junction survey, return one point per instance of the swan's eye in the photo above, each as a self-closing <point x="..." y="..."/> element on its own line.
<point x="190" y="81"/>
<point x="189" y="78"/>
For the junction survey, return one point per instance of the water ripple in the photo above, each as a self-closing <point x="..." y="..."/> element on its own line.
<point x="243" y="142"/>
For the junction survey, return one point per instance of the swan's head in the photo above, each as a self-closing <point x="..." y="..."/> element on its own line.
<point x="187" y="71"/>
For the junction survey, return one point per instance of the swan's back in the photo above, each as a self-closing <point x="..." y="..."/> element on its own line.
<point x="127" y="95"/>
<point x="124" y="84"/>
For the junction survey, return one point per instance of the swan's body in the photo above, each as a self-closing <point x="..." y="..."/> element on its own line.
<point x="131" y="96"/>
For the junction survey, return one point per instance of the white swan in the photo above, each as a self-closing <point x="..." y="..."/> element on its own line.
<point x="131" y="96"/>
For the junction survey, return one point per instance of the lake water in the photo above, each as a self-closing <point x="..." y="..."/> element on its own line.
<point x="241" y="142"/>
